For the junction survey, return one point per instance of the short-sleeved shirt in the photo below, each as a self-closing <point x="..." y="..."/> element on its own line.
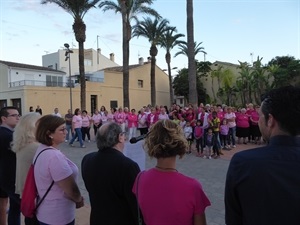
<point x="169" y="197"/>
<point x="77" y="121"/>
<point x="51" y="165"/>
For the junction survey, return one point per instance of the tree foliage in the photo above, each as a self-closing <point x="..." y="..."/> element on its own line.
<point x="181" y="86"/>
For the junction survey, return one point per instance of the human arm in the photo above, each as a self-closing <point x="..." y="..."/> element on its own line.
<point x="233" y="210"/>
<point x="71" y="190"/>
<point x="129" y="176"/>
<point x="200" y="219"/>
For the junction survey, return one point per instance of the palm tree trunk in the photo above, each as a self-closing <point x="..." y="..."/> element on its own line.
<point x="82" y="76"/>
<point x="125" y="58"/>
<point x="152" y="81"/>
<point x="191" y="54"/>
<point x="168" y="60"/>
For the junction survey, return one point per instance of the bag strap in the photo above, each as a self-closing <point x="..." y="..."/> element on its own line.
<point x="140" y="222"/>
<point x="42" y="199"/>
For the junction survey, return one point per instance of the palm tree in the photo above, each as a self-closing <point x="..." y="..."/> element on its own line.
<point x="183" y="49"/>
<point x="151" y="30"/>
<point x="191" y="54"/>
<point x="129" y="10"/>
<point x="77" y="9"/>
<point x="168" y="41"/>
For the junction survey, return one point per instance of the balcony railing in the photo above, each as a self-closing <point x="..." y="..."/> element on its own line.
<point x="40" y="83"/>
<point x="52" y="83"/>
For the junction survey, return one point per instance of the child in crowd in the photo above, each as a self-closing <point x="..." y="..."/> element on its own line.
<point x="198" y="134"/>
<point x="182" y="122"/>
<point x="175" y="118"/>
<point x="224" y="130"/>
<point x="188" y="131"/>
<point x="209" y="142"/>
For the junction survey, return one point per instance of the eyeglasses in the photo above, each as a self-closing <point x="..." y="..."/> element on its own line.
<point x="14" y="115"/>
<point x="63" y="129"/>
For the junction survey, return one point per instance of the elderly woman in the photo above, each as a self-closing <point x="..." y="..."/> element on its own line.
<point x="164" y="195"/>
<point x="25" y="146"/>
<point x="242" y="126"/>
<point x="53" y="166"/>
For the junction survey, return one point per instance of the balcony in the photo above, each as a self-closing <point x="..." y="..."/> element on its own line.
<point x="40" y="83"/>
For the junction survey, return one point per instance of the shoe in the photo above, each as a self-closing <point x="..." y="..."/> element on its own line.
<point x="66" y="141"/>
<point x="71" y="145"/>
<point x="89" y="141"/>
<point x="209" y="157"/>
<point x="216" y="157"/>
<point x="233" y="146"/>
<point x="83" y="146"/>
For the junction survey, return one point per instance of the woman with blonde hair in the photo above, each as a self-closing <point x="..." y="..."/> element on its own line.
<point x="164" y="195"/>
<point x="25" y="146"/>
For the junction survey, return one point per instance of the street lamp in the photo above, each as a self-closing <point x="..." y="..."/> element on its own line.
<point x="67" y="54"/>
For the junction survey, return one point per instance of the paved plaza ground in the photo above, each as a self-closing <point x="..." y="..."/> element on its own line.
<point x="210" y="173"/>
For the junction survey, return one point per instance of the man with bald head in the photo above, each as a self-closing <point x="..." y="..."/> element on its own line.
<point x="109" y="176"/>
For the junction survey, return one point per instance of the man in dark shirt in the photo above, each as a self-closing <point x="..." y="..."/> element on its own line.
<point x="109" y="176"/>
<point x="68" y="119"/>
<point x="263" y="184"/>
<point x="9" y="117"/>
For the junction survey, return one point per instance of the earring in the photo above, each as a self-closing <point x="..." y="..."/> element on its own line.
<point x="51" y="137"/>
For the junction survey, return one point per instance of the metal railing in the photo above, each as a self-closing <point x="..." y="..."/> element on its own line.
<point x="51" y="83"/>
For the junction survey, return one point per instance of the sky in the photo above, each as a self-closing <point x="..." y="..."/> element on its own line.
<point x="230" y="30"/>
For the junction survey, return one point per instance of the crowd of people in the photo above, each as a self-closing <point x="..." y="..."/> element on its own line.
<point x="212" y="128"/>
<point x="261" y="185"/>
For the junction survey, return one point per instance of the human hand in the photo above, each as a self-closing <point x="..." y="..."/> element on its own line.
<point x="80" y="204"/>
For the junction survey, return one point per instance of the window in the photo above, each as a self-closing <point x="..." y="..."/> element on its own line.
<point x="87" y="62"/>
<point x="140" y="83"/>
<point x="54" y="81"/>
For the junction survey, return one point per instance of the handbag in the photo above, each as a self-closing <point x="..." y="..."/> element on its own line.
<point x="29" y="201"/>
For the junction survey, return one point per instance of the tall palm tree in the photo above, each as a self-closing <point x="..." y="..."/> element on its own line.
<point x="77" y="9"/>
<point x="193" y="97"/>
<point x="168" y="41"/>
<point x="183" y="49"/>
<point x="151" y="30"/>
<point x="129" y="9"/>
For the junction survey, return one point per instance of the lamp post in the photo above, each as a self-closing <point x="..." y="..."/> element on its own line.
<point x="67" y="54"/>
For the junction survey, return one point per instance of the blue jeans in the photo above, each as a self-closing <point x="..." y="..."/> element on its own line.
<point x="77" y="134"/>
<point x="232" y="133"/>
<point x="69" y="129"/>
<point x="72" y="223"/>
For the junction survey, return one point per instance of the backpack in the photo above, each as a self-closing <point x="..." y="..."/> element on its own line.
<point x="29" y="201"/>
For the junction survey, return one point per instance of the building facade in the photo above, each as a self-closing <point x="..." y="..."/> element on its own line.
<point x="25" y="85"/>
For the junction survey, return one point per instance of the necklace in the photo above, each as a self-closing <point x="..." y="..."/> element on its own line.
<point x="163" y="168"/>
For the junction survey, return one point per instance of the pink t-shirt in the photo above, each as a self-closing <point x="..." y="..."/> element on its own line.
<point x="169" y="197"/>
<point x="132" y="120"/>
<point x="254" y="117"/>
<point x="96" y="118"/>
<point x="52" y="165"/>
<point x="230" y="116"/>
<point x="224" y="129"/>
<point x="77" y="121"/>
<point x="242" y="120"/>
<point x="86" y="121"/>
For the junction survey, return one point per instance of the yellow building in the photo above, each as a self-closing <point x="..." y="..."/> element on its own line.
<point x="25" y="85"/>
